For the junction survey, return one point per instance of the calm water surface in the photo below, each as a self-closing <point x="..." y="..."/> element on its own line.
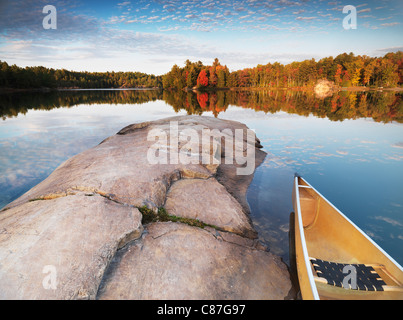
<point x="349" y="147"/>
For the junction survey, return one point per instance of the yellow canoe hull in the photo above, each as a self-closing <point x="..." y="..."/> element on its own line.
<point x="323" y="232"/>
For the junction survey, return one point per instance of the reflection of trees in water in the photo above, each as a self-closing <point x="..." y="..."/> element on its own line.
<point x="381" y="106"/>
<point x="15" y="103"/>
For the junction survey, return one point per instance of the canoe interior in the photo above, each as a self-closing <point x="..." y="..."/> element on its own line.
<point x="330" y="236"/>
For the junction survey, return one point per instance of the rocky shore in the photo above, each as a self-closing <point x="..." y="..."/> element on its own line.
<point x="82" y="233"/>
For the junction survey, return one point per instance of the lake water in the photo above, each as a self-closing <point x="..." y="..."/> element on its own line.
<point x="348" y="146"/>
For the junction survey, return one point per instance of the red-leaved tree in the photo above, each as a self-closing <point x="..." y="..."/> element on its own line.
<point x="202" y="79"/>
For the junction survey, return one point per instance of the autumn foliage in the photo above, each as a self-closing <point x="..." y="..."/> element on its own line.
<point x="345" y="70"/>
<point x="202" y="79"/>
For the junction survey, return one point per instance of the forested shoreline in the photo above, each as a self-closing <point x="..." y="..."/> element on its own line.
<point x="41" y="77"/>
<point x="345" y="70"/>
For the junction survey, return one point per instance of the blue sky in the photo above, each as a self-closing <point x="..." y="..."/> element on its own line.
<point x="151" y="36"/>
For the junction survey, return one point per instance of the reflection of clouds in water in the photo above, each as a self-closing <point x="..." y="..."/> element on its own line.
<point x="373" y="235"/>
<point x="394" y="157"/>
<point x="15" y="178"/>
<point x="293" y="147"/>
<point x="325" y="154"/>
<point x="32" y="157"/>
<point x="389" y="221"/>
<point x="398" y="145"/>
<point x="377" y="231"/>
<point x="274" y="162"/>
<point x="296" y="155"/>
<point x="397" y="154"/>
<point x="313" y="149"/>
<point x="398" y="205"/>
<point x="309" y="162"/>
<point x="380" y="232"/>
<point x="289" y="161"/>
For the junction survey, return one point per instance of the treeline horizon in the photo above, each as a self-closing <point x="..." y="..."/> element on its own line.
<point x="41" y="77"/>
<point x="345" y="70"/>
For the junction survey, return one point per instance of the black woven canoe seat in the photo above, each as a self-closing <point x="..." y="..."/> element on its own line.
<point x="367" y="278"/>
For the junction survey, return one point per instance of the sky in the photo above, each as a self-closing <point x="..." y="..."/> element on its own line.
<point x="151" y="36"/>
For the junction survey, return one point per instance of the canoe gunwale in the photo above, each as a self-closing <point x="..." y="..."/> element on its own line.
<point x="303" y="243"/>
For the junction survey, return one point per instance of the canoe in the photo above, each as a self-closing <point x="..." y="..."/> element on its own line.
<point x="334" y="258"/>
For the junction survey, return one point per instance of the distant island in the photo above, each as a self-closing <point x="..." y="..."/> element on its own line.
<point x="346" y="70"/>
